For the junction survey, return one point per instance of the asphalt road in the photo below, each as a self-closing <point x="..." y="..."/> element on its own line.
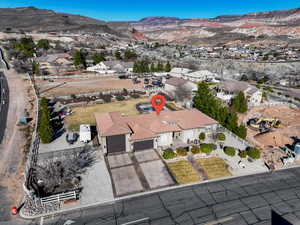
<point x="237" y="201"/>
<point x="4" y="103"/>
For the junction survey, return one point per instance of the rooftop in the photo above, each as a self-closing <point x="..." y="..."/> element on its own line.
<point x="150" y="125"/>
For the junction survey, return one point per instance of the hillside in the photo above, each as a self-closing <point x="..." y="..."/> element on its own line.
<point x="274" y="25"/>
<point x="40" y="20"/>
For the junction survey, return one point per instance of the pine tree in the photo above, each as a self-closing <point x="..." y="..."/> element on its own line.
<point x="118" y="55"/>
<point x="168" y="67"/>
<point x="79" y="59"/>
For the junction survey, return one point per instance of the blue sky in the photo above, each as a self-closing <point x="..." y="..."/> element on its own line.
<point x="137" y="9"/>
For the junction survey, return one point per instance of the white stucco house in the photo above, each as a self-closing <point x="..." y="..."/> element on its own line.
<point x="228" y="89"/>
<point x="201" y="75"/>
<point x="179" y="72"/>
<point x="117" y="133"/>
<point x="116" y="66"/>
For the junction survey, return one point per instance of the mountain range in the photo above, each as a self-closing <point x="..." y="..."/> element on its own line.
<point x="280" y="25"/>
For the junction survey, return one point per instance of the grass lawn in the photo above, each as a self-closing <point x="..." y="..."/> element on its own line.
<point x="85" y="115"/>
<point x="214" y="167"/>
<point x="184" y="172"/>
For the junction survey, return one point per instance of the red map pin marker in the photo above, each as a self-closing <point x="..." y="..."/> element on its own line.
<point x="158" y="103"/>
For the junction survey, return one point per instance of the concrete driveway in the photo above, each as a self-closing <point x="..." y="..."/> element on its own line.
<point x="137" y="172"/>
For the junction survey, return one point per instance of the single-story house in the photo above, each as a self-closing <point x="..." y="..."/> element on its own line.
<point x="179" y="72"/>
<point x="201" y="75"/>
<point x="118" y="133"/>
<point x="56" y="62"/>
<point x="173" y="83"/>
<point x="112" y="67"/>
<point x="226" y="90"/>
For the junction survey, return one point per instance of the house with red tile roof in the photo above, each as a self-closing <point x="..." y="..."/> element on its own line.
<point x="118" y="133"/>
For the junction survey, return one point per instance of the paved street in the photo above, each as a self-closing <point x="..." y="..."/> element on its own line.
<point x="237" y="201"/>
<point x="4" y="102"/>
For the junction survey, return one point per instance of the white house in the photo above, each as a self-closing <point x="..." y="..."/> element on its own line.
<point x="115" y="66"/>
<point x="201" y="75"/>
<point x="179" y="72"/>
<point x="119" y="133"/>
<point x="228" y="89"/>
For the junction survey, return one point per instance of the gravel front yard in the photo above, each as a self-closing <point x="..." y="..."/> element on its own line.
<point x="183" y="172"/>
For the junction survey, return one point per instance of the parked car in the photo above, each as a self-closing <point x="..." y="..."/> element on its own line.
<point x="71" y="137"/>
<point x="146" y="81"/>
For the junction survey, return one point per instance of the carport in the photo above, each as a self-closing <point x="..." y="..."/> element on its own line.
<point x="143" y="145"/>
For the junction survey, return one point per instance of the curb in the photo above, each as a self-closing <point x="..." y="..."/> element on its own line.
<point x="142" y="194"/>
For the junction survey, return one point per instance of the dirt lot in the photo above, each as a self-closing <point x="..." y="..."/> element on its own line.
<point x="82" y="86"/>
<point x="290" y="119"/>
<point x="85" y="115"/>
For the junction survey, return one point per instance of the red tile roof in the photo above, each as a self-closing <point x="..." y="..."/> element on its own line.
<point x="148" y="126"/>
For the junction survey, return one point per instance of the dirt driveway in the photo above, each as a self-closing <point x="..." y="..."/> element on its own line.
<point x="11" y="155"/>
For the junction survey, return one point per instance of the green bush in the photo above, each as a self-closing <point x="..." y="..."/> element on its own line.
<point x="120" y="98"/>
<point x="181" y="151"/>
<point x="46" y="130"/>
<point x="221" y="137"/>
<point x="254" y="153"/>
<point x="134" y="95"/>
<point x="243" y="154"/>
<point x="195" y="150"/>
<point x="202" y="136"/>
<point x="169" y="154"/>
<point x="229" y="151"/>
<point x="206" y="148"/>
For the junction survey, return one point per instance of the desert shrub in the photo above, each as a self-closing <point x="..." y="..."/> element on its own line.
<point x="181" y="151"/>
<point x="195" y="149"/>
<point x="120" y="98"/>
<point x="106" y="98"/>
<point x="254" y="153"/>
<point x="229" y="151"/>
<point x="243" y="154"/>
<point x="134" y="95"/>
<point x="221" y="137"/>
<point x="206" y="148"/>
<point x="169" y="154"/>
<point x="202" y="136"/>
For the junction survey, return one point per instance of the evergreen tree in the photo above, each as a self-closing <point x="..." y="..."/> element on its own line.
<point x="79" y="59"/>
<point x="118" y="55"/>
<point x="152" y="68"/>
<point x="168" y="67"/>
<point x="98" y="57"/>
<point x="129" y="54"/>
<point x="46" y="130"/>
<point x="43" y="44"/>
<point x="239" y="103"/>
<point x="160" y="67"/>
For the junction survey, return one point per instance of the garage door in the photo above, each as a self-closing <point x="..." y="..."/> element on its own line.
<point x="116" y="143"/>
<point x="142" y="145"/>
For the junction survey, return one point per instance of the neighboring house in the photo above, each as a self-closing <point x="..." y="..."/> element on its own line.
<point x="173" y="83"/>
<point x="56" y="63"/>
<point x="179" y="72"/>
<point x="201" y="75"/>
<point x="115" y="66"/>
<point x="119" y="133"/>
<point x="227" y="90"/>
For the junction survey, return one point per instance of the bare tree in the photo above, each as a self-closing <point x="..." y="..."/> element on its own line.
<point x="182" y="93"/>
<point x="59" y="174"/>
